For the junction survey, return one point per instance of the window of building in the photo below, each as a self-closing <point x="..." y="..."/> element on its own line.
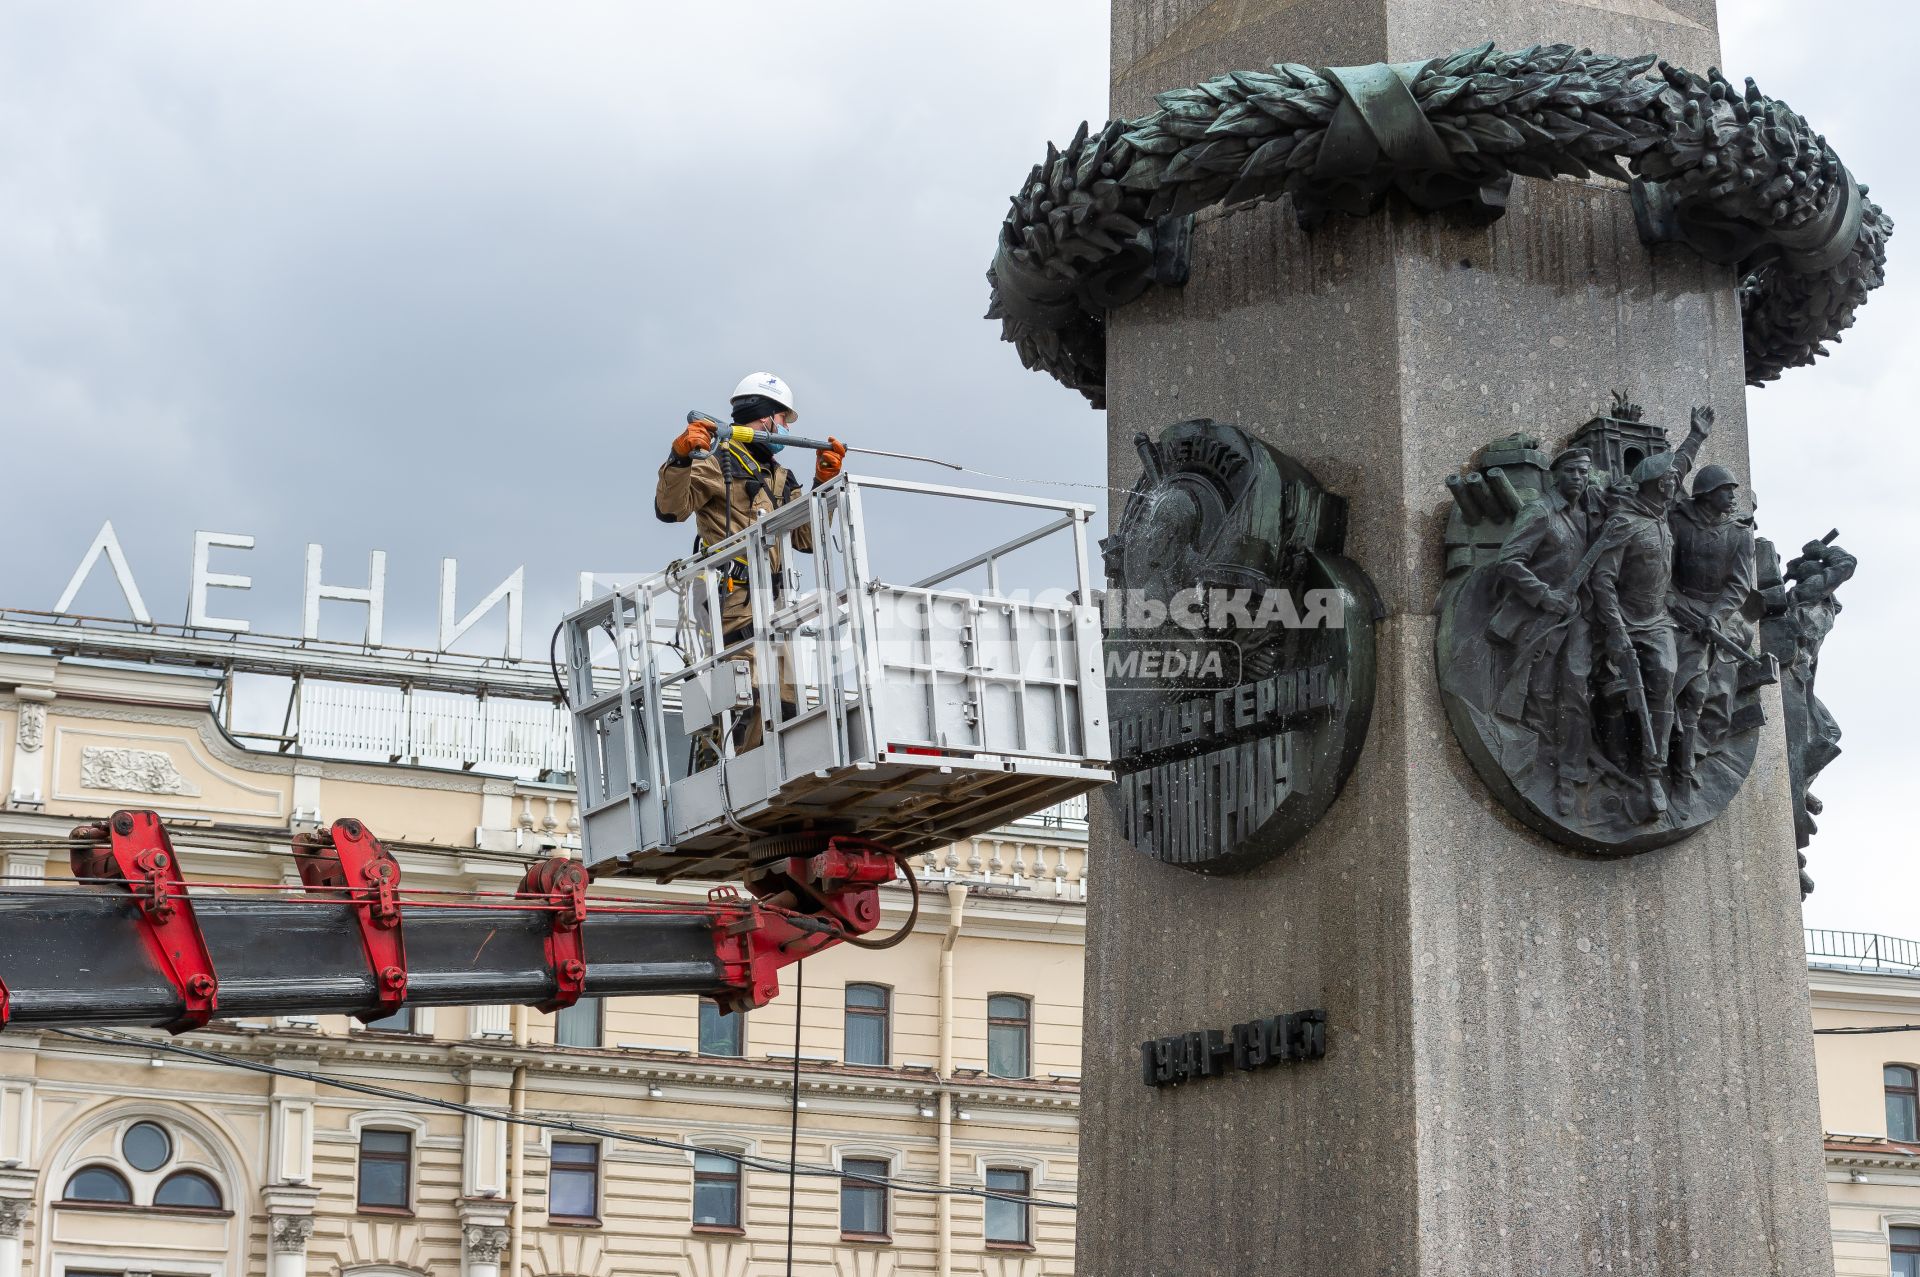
<point x="98" y="1184"/>
<point x="579" y="1024"/>
<point x="188" y="1190"/>
<point x="721" y="1032"/>
<point x="400" y="1021"/>
<point x="863" y="1197"/>
<point x="573" y="1181"/>
<point x="386" y="1165"/>
<point x="1906" y="1252"/>
<point x="146" y="1146"/>
<point x="1009" y="1035"/>
<point x="868" y="1030"/>
<point x="1007" y="1222"/>
<point x="716" y="1191"/>
<point x="1901" y="1093"/>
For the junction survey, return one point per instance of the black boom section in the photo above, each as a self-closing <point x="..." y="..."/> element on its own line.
<point x="79" y="957"/>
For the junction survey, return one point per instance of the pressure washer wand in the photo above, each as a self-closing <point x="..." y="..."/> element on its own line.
<point x="907" y="456"/>
<point x="747" y="434"/>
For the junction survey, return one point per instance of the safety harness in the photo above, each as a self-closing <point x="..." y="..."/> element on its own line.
<point x="736" y="578"/>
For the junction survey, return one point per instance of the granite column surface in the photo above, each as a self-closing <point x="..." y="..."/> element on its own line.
<point x="1539" y="1062"/>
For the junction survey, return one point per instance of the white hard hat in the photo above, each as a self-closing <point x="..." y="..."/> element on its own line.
<point x="769" y="386"/>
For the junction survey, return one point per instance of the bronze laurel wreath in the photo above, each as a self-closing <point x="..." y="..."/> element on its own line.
<point x="1739" y="176"/>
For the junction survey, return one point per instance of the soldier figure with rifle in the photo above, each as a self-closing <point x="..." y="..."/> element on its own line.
<point x="1542" y="567"/>
<point x="1631" y="580"/>
<point x="1714" y="580"/>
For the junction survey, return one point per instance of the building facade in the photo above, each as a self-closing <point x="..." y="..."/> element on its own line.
<point x="948" y="1063"/>
<point x="927" y="1073"/>
<point x="1866" y="1016"/>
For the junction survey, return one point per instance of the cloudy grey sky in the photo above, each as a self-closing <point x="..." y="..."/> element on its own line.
<point x="440" y="279"/>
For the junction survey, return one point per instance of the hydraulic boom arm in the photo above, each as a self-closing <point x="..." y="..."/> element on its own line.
<point x="129" y="945"/>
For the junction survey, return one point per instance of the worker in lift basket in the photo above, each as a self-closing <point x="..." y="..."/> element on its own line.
<point x="727" y="487"/>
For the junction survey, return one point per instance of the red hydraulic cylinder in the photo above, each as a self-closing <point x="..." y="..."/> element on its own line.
<point x="563" y="884"/>
<point x="349" y="858"/>
<point x="138" y="854"/>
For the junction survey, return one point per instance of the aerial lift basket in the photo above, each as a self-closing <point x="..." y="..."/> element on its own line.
<point x="910" y="714"/>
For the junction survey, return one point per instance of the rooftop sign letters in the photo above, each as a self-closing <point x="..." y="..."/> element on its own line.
<point x="209" y="574"/>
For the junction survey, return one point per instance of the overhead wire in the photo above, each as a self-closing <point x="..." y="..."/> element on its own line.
<point x="793" y="1166"/>
<point x="409" y="897"/>
<point x="251" y="842"/>
<point x="1014" y="478"/>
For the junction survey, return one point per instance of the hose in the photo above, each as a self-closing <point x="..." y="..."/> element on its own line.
<point x="906" y="928"/>
<point x="553" y="663"/>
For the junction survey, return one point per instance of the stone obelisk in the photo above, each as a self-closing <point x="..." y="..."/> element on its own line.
<point x="1538" y="1063"/>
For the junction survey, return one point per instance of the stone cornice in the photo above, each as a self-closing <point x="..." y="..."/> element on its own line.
<point x="306" y="1050"/>
<point x="697" y="1070"/>
<point x="1884" y="1159"/>
<point x="1890" y="991"/>
<point x="1879" y="1155"/>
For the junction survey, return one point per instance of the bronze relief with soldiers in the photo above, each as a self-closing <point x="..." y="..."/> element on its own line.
<point x="1598" y="646"/>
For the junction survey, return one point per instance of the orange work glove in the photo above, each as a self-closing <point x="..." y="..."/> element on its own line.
<point x="698" y="434"/>
<point x="828" y="460"/>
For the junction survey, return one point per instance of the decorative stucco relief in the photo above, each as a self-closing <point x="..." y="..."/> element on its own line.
<point x="33" y="726"/>
<point x="138" y="771"/>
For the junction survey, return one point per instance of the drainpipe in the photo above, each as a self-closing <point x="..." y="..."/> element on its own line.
<point x="956" y="908"/>
<point x="516" y="1143"/>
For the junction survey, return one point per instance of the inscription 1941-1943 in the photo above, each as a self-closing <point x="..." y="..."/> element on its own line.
<point x="1256" y="1044"/>
<point x="1226" y="563"/>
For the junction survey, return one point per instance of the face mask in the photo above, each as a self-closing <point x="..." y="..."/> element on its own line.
<point x="779" y="428"/>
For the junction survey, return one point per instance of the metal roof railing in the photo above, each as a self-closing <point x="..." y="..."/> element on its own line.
<point x="1862" y="950"/>
<point x="1070" y="815"/>
<point x="159" y="643"/>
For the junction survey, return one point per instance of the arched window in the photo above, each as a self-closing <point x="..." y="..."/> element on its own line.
<point x="188" y="1190"/>
<point x="868" y="1030"/>
<point x="98" y="1184"/>
<point x="1901" y="1097"/>
<point x="166" y="1163"/>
